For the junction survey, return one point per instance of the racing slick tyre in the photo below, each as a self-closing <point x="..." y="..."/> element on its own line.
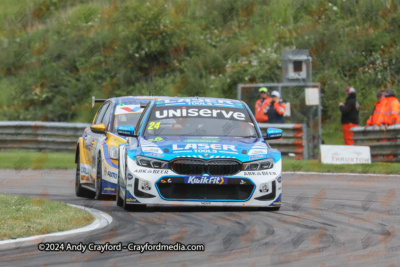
<point x="269" y="208"/>
<point x="79" y="190"/>
<point x="118" y="198"/>
<point x="274" y="208"/>
<point x="126" y="206"/>
<point x="99" y="180"/>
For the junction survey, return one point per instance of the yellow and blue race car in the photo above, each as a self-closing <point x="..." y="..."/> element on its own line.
<point x="96" y="154"/>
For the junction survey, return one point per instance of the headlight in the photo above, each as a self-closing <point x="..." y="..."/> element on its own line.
<point x="113" y="152"/>
<point x="258" y="165"/>
<point x="152" y="163"/>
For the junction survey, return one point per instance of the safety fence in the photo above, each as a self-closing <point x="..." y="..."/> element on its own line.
<point x="384" y="143"/>
<point x="62" y="136"/>
<point x="294" y="142"/>
<point x="37" y="135"/>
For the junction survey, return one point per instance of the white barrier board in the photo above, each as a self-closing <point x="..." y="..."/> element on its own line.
<point x="332" y="154"/>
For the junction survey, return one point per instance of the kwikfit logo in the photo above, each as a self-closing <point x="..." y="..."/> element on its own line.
<point x="205" y="180"/>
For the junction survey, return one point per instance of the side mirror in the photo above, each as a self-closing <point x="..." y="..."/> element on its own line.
<point x="273" y="133"/>
<point x="98" y="128"/>
<point x="126" y="130"/>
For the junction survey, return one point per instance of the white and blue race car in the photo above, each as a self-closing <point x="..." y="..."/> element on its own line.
<point x="198" y="151"/>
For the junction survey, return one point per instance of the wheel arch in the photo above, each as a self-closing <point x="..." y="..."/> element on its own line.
<point x="78" y="149"/>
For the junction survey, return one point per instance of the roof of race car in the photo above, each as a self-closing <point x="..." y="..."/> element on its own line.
<point x="133" y="99"/>
<point x="199" y="101"/>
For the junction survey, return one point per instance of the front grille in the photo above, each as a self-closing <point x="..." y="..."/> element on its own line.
<point x="188" y="166"/>
<point x="237" y="189"/>
<point x="212" y="167"/>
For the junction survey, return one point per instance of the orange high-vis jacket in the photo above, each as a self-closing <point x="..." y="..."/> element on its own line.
<point x="376" y="117"/>
<point x="391" y="110"/>
<point x="259" y="113"/>
<point x="279" y="107"/>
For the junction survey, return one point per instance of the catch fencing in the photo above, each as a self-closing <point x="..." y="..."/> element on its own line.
<point x="37" y="135"/>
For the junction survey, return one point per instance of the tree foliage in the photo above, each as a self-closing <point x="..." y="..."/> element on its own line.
<point x="56" y="54"/>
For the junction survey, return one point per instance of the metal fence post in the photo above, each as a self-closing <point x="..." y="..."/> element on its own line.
<point x="305" y="141"/>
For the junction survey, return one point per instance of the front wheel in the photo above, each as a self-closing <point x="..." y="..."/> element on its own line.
<point x="99" y="180"/>
<point x="126" y="206"/>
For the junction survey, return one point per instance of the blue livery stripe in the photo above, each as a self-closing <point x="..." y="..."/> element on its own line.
<point x="107" y="157"/>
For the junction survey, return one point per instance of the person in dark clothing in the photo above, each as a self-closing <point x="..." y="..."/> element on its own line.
<point x="275" y="109"/>
<point x="349" y="119"/>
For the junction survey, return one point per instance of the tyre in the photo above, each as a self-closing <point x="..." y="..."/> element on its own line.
<point x="118" y="198"/>
<point x="99" y="180"/>
<point x="274" y="208"/>
<point x="79" y="190"/>
<point x="269" y="208"/>
<point x="126" y="206"/>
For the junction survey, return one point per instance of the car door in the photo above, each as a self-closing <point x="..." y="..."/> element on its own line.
<point x="93" y="139"/>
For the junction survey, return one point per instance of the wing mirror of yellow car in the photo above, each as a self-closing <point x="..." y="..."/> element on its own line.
<point x="98" y="128"/>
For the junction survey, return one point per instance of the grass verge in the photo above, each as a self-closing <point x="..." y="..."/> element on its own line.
<point x="21" y="160"/>
<point x="315" y="166"/>
<point x="24" y="216"/>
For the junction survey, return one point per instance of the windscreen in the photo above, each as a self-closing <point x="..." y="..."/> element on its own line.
<point x="200" y="121"/>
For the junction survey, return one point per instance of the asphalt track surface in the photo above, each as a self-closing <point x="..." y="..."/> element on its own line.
<point x="325" y="220"/>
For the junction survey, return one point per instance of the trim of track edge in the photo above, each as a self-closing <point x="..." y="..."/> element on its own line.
<point x="102" y="220"/>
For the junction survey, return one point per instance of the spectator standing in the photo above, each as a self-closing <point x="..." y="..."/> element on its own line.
<point x="349" y="119"/>
<point x="261" y="105"/>
<point x="275" y="109"/>
<point x="391" y="108"/>
<point x="376" y="118"/>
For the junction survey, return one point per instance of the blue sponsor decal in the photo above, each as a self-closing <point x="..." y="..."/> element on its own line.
<point x="257" y="157"/>
<point x="279" y="179"/>
<point x="206" y="180"/>
<point x="246" y="166"/>
<point x="112" y="175"/>
<point x="199" y="102"/>
<point x="164" y="165"/>
<point x="85" y="170"/>
<point x="130" y="176"/>
<point x="131" y="199"/>
<point x="108" y="187"/>
<point x="154" y="155"/>
<point x="277" y="202"/>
